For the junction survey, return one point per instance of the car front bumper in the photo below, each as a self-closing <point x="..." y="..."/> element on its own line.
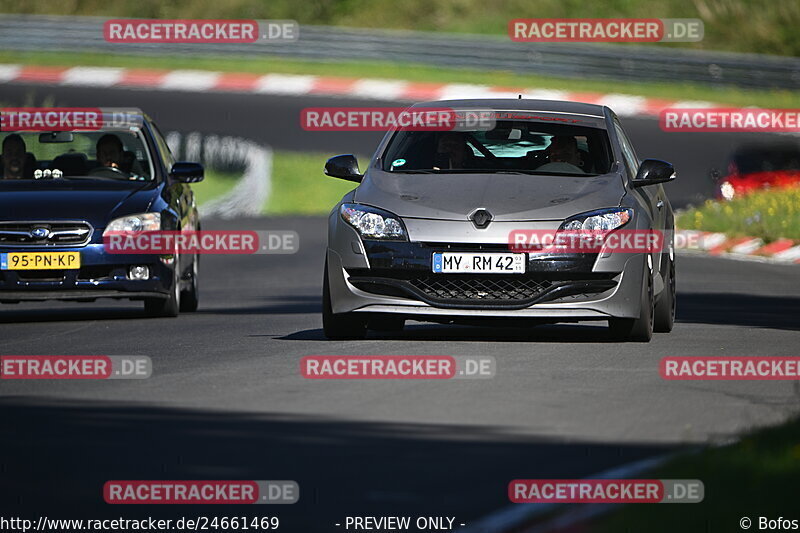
<point x="101" y="275"/>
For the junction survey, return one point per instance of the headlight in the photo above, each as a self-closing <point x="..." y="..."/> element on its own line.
<point x="727" y="191"/>
<point x="135" y="223"/>
<point x="601" y="220"/>
<point x="373" y="223"/>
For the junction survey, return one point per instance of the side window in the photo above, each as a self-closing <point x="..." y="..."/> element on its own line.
<point x="169" y="160"/>
<point x="627" y="151"/>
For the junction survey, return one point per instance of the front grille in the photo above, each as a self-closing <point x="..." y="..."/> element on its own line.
<point x="495" y="288"/>
<point x="469" y="291"/>
<point x="62" y="233"/>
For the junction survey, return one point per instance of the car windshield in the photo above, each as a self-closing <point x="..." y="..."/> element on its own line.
<point x="765" y="160"/>
<point x="515" y="146"/>
<point x="119" y="155"/>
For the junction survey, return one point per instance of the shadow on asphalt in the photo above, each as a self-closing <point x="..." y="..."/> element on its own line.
<point x="56" y="454"/>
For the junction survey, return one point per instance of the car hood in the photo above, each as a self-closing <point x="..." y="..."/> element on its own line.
<point x="509" y="197"/>
<point x="96" y="201"/>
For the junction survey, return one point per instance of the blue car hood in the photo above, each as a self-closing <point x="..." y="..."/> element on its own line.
<point x="96" y="201"/>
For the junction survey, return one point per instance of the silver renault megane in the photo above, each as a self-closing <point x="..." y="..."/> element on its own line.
<point x="428" y="233"/>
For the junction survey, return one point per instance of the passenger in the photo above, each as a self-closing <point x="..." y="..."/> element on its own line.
<point x="14" y="155"/>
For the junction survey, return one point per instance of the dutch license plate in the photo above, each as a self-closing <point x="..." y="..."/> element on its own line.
<point x="480" y="263"/>
<point x="40" y="261"/>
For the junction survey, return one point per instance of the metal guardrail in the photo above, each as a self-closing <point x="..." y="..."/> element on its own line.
<point x="324" y="43"/>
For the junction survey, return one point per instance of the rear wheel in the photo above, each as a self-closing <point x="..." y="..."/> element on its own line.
<point x="637" y="329"/>
<point x="665" y="308"/>
<point x="339" y="326"/>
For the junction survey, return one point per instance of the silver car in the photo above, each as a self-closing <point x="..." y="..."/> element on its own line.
<point x="426" y="234"/>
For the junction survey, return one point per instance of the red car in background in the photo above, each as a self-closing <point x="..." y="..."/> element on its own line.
<point x="754" y="167"/>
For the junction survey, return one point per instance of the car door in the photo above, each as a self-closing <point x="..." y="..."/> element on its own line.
<point x="651" y="197"/>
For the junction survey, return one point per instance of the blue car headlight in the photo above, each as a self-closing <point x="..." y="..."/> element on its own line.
<point x="134" y="223"/>
<point x="374" y="223"/>
<point x="600" y="220"/>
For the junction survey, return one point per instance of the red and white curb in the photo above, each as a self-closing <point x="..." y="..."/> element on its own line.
<point x="302" y="85"/>
<point x="751" y="248"/>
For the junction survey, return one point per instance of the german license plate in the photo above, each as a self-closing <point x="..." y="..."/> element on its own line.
<point x="478" y="263"/>
<point x="40" y="261"/>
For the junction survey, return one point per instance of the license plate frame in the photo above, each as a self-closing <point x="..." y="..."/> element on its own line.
<point x="498" y="263"/>
<point x="40" y="260"/>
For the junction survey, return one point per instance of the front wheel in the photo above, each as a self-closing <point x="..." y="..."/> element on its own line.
<point x="637" y="329"/>
<point x="665" y="308"/>
<point x="339" y="326"/>
<point x="166" y="307"/>
<point x="190" y="298"/>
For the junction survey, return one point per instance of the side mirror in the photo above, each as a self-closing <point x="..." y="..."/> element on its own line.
<point x="187" y="172"/>
<point x="653" y="171"/>
<point x="343" y="167"/>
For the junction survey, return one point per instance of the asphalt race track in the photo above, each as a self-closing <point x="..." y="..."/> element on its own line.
<point x="226" y="400"/>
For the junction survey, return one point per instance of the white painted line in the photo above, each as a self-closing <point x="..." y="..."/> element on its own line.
<point x="516" y="515"/>
<point x="464" y="91"/>
<point x="790" y="254"/>
<point x="290" y="84"/>
<point x="379" y="89"/>
<point x="712" y="240"/>
<point x="9" y="72"/>
<point x="93" y="76"/>
<point x="189" y="80"/>
<point x="624" y="105"/>
<point x="747" y="247"/>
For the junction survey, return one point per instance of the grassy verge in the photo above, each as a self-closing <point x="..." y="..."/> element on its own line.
<point x="413" y="72"/>
<point x="770" y="215"/>
<point x="754" y="477"/>
<point x="741" y="25"/>
<point x="214" y="185"/>
<point x="300" y="187"/>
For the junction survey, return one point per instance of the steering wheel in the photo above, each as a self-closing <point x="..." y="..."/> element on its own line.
<point x="108" y="172"/>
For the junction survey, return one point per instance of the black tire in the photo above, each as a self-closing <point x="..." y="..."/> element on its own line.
<point x="389" y="324"/>
<point x="166" y="307"/>
<point x="339" y="326"/>
<point x="665" y="307"/>
<point x="190" y="298"/>
<point x="637" y="329"/>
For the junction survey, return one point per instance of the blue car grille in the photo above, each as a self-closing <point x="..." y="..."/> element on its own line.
<point x="62" y="233"/>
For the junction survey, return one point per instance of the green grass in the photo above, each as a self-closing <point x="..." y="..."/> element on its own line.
<point x="214" y="185"/>
<point x="414" y="72"/>
<point x="765" y="26"/>
<point x="300" y="187"/>
<point x="770" y="215"/>
<point x="754" y="477"/>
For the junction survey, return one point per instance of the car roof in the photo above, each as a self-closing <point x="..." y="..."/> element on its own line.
<point x="522" y="104"/>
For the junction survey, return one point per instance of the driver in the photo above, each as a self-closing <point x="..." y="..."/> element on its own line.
<point x="14" y="150"/>
<point x="109" y="151"/>
<point x="455" y="149"/>
<point x="563" y="155"/>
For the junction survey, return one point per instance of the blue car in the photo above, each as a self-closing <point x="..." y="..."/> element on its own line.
<point x="61" y="191"/>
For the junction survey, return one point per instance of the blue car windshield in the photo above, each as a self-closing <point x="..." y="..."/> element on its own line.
<point x="119" y="155"/>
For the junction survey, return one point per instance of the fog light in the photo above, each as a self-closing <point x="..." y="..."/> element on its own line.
<point x="138" y="272"/>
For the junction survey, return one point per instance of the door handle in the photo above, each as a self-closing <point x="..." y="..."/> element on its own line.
<point x="660" y="204"/>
